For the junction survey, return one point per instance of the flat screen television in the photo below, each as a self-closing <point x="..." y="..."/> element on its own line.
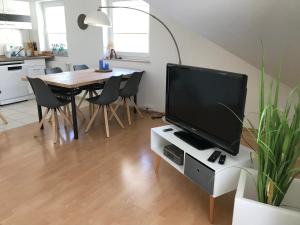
<point x="207" y="104"/>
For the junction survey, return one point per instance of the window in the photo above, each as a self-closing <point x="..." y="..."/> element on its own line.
<point x="130" y="29"/>
<point x="55" y="27"/>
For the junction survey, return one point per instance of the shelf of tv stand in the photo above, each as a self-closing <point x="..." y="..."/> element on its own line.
<point x="224" y="177"/>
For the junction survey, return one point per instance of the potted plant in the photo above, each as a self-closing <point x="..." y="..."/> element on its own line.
<point x="271" y="195"/>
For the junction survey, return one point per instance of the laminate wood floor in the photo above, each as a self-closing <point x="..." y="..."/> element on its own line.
<point x="96" y="180"/>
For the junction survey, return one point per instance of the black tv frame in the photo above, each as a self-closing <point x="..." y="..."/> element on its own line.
<point x="193" y="135"/>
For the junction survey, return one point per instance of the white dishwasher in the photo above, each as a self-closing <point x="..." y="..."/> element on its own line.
<point x="12" y="88"/>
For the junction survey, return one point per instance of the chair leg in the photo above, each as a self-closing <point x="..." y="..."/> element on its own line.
<point x="64" y="116"/>
<point x="106" y="121"/>
<point x="136" y="108"/>
<point x="128" y="110"/>
<point x="116" y="108"/>
<point x="83" y="97"/>
<point x="68" y="112"/>
<point x="80" y="114"/>
<point x="3" y="119"/>
<point x="116" y="116"/>
<point x="54" y="125"/>
<point x="43" y="118"/>
<point x="92" y="119"/>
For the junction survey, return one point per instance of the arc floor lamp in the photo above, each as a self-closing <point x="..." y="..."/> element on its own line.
<point x="100" y="19"/>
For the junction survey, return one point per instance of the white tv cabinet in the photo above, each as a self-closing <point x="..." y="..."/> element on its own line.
<point x="214" y="178"/>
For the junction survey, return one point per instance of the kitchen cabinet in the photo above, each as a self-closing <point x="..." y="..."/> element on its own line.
<point x="16" y="7"/>
<point x="34" y="68"/>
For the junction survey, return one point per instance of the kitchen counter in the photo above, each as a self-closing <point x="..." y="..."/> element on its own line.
<point x="6" y="59"/>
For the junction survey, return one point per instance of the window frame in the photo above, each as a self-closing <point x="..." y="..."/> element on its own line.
<point x="44" y="5"/>
<point x="110" y="34"/>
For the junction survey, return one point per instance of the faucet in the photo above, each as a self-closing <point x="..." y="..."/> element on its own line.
<point x="17" y="54"/>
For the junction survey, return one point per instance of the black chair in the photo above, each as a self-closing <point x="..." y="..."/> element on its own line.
<point x="80" y="67"/>
<point x="53" y="70"/>
<point x="46" y="98"/>
<point x="128" y="92"/>
<point x="109" y="95"/>
<point x="63" y="92"/>
<point x="91" y="89"/>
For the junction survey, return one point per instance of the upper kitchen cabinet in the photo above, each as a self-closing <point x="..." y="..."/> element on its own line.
<point x="16" y="7"/>
<point x="15" y="14"/>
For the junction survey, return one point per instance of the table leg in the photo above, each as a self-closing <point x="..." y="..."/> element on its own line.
<point x="157" y="164"/>
<point x="135" y="101"/>
<point x="90" y="104"/>
<point x="74" y="116"/>
<point x="211" y="209"/>
<point x="39" y="108"/>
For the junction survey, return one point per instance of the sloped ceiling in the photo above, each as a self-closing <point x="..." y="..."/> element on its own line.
<point x="239" y="25"/>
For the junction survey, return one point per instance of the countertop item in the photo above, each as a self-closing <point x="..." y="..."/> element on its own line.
<point x="6" y="59"/>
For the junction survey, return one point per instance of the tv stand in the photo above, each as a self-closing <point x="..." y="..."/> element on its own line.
<point x="213" y="178"/>
<point x="196" y="142"/>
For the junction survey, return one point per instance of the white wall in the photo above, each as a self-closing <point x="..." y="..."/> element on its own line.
<point x="84" y="47"/>
<point x="14" y="37"/>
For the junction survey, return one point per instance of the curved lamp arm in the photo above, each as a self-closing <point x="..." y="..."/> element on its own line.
<point x="154" y="17"/>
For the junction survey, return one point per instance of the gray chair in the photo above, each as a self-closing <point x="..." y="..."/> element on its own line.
<point x="127" y="94"/>
<point x="64" y="92"/>
<point x="53" y="70"/>
<point x="109" y="95"/>
<point x="80" y="67"/>
<point x="46" y="98"/>
<point x="91" y="89"/>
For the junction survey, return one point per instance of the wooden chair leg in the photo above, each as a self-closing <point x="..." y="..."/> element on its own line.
<point x="136" y="108"/>
<point x="128" y="110"/>
<point x="68" y="112"/>
<point x="116" y="116"/>
<point x="43" y="118"/>
<point x="82" y="99"/>
<point x="106" y="121"/>
<point x="54" y="126"/>
<point x="116" y="108"/>
<point x="92" y="119"/>
<point x="3" y="119"/>
<point x="64" y="116"/>
<point x="79" y="113"/>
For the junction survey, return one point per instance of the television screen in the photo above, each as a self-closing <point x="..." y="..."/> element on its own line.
<point x="208" y="103"/>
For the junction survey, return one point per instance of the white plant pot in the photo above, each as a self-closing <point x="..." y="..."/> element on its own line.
<point x="248" y="211"/>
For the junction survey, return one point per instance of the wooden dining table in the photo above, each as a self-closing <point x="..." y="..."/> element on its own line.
<point x="73" y="80"/>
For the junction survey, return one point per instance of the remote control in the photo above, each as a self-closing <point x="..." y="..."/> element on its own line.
<point x="214" y="156"/>
<point x="168" y="129"/>
<point x="222" y="159"/>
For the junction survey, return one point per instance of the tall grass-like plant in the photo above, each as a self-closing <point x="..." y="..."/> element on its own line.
<point x="278" y="139"/>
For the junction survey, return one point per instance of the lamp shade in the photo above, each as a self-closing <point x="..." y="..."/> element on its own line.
<point x="97" y="19"/>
